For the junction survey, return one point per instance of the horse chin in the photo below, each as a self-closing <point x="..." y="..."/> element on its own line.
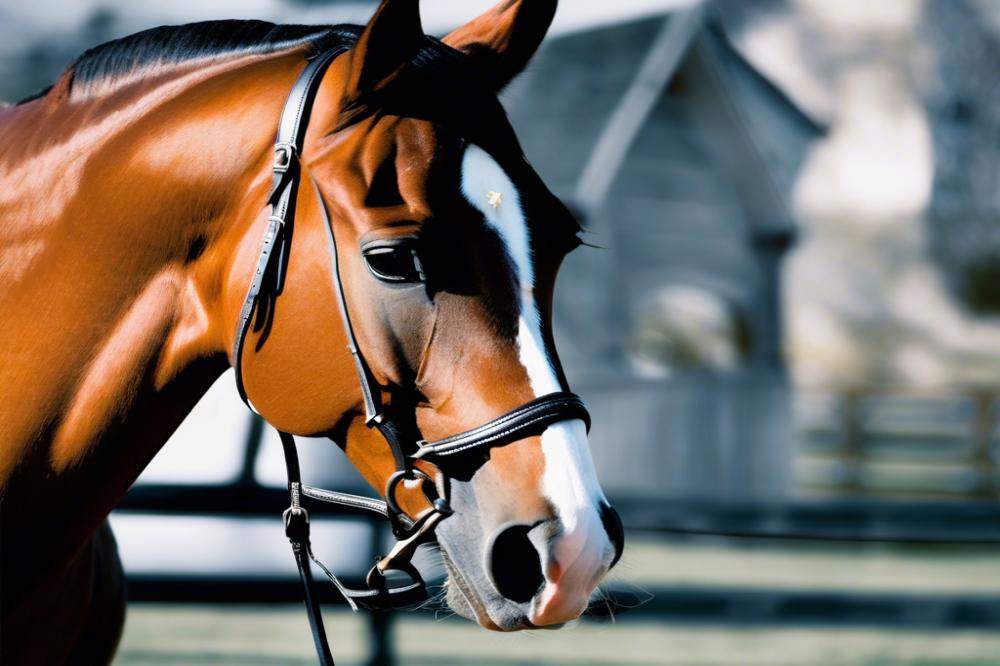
<point x="460" y="597"/>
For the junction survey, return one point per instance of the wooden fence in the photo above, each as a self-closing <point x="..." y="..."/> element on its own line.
<point x="719" y="438"/>
<point x="883" y="443"/>
<point x="751" y="437"/>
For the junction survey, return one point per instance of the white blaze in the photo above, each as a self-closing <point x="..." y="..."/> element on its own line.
<point x="569" y="480"/>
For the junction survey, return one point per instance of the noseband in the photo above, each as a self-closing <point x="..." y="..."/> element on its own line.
<point x="396" y="424"/>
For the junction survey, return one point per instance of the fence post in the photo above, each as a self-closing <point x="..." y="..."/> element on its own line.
<point x="988" y="483"/>
<point x="854" y="445"/>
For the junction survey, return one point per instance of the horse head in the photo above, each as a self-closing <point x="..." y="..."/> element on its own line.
<point x="447" y="245"/>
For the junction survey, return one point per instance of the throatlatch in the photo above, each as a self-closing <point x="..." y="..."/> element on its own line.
<point x="396" y="425"/>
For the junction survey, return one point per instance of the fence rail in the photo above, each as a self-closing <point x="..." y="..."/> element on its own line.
<point x="861" y="521"/>
<point x="880" y="443"/>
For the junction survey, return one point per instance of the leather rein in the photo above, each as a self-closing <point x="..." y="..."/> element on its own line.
<point x="396" y="424"/>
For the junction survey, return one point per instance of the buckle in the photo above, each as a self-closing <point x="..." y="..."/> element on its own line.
<point x="284" y="154"/>
<point x="422" y="449"/>
<point x="296" y="524"/>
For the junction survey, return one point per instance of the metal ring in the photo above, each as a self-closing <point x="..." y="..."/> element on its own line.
<point x="376" y="580"/>
<point x="404" y="475"/>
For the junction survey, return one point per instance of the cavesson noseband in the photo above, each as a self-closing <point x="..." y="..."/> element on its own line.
<point x="396" y="424"/>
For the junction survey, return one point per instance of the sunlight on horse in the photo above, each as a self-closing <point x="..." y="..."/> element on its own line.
<point x="133" y="212"/>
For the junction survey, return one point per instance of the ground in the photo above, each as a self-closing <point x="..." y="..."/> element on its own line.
<point x="188" y="635"/>
<point x="193" y="636"/>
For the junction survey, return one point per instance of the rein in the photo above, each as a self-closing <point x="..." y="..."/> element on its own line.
<point x="396" y="425"/>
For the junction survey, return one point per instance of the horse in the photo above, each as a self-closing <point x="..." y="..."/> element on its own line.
<point x="133" y="205"/>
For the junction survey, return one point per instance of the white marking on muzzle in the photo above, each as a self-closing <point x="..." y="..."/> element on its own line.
<point x="569" y="480"/>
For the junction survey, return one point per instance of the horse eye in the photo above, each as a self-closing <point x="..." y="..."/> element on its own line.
<point x="395" y="263"/>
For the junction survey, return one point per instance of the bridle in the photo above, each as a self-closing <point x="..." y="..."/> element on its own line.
<point x="397" y="424"/>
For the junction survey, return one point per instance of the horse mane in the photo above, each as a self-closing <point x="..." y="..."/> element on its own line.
<point x="436" y="77"/>
<point x="130" y="57"/>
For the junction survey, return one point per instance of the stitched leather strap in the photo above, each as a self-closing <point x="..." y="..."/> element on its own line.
<point x="273" y="258"/>
<point x="358" y="502"/>
<point x="528" y="419"/>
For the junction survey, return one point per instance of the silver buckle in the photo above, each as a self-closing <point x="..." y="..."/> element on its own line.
<point x="284" y="153"/>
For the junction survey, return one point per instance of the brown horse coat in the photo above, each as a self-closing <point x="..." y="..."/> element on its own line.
<point x="131" y="208"/>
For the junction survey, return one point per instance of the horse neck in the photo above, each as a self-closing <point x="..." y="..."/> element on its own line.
<point x="117" y="240"/>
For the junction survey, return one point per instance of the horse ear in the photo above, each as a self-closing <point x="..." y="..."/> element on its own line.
<point x="388" y="42"/>
<point x="505" y="38"/>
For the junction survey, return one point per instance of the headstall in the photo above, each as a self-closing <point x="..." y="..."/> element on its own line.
<point x="396" y="424"/>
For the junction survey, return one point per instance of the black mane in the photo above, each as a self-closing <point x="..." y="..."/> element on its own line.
<point x="439" y="84"/>
<point x="176" y="44"/>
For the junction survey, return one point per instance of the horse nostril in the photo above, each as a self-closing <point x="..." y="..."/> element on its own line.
<point x="616" y="531"/>
<point x="514" y="565"/>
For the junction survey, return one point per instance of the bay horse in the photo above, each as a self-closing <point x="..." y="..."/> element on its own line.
<point x="132" y="208"/>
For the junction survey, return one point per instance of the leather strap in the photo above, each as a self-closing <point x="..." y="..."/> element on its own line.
<point x="251" y="302"/>
<point x="358" y="502"/>
<point x="297" y="530"/>
<point x="273" y="259"/>
<point x="530" y="418"/>
<point x="394" y="422"/>
<point x="271" y="266"/>
<point x="370" y="390"/>
<point x="379" y="594"/>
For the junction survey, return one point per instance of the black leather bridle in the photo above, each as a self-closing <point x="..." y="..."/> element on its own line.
<point x="396" y="424"/>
